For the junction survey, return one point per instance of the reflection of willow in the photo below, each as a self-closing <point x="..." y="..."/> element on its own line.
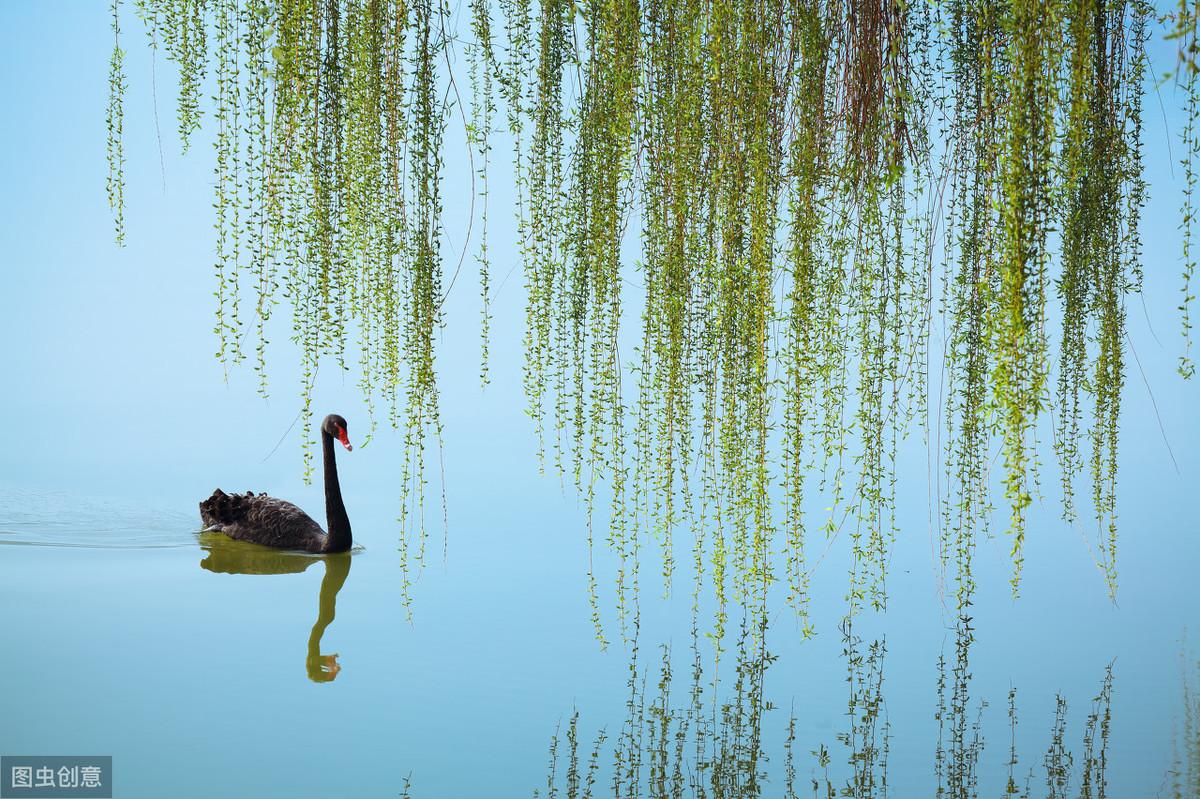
<point x="703" y="748"/>
<point x="711" y="748"/>
<point x="961" y="741"/>
<point x="1186" y="778"/>
<point x="235" y="557"/>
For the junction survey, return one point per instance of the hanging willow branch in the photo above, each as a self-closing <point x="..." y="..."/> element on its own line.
<point x="115" y="122"/>
<point x="1185" y="32"/>
<point x="328" y="118"/>
<point x="1103" y="192"/>
<point x="795" y="178"/>
<point x="788" y="175"/>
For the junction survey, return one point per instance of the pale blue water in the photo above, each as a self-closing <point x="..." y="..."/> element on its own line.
<point x="198" y="682"/>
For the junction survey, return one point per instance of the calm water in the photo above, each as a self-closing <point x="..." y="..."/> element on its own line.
<point x="207" y="667"/>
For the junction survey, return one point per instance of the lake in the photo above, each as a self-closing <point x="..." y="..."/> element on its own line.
<point x="208" y="668"/>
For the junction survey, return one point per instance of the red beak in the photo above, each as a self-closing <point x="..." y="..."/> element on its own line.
<point x="344" y="438"/>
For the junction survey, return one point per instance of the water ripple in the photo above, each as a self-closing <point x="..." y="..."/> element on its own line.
<point x="59" y="519"/>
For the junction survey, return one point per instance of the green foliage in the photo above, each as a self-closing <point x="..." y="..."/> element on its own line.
<point x="483" y="111"/>
<point x="795" y="177"/>
<point x="1185" y="30"/>
<point x="1102" y="196"/>
<point x="115" y="122"/>
<point x="184" y="26"/>
<point x="786" y="185"/>
<point x="328" y="118"/>
<point x="1017" y="322"/>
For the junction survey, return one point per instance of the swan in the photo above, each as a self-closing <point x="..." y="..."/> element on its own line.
<point x="262" y="519"/>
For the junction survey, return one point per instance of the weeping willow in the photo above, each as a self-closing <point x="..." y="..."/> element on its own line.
<point x="115" y="122"/>
<point x="788" y="196"/>
<point x="1103" y="192"/>
<point x="793" y="168"/>
<point x="328" y="117"/>
<point x="743" y="145"/>
<point x="1186" y="17"/>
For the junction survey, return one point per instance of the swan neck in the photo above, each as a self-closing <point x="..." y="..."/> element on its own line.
<point x="338" y="538"/>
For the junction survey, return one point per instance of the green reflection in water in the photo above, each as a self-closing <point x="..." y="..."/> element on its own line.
<point x="703" y="746"/>
<point x="961" y="741"/>
<point x="226" y="556"/>
<point x="710" y="743"/>
<point x="1186" y="777"/>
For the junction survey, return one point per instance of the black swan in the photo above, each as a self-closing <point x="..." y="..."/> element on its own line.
<point x="273" y="522"/>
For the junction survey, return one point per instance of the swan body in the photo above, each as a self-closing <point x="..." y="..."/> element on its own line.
<point x="262" y="519"/>
<point x="273" y="522"/>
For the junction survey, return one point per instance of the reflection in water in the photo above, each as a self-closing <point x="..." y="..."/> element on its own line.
<point x="703" y="747"/>
<point x="700" y="747"/>
<point x="324" y="668"/>
<point x="961" y="741"/>
<point x="1186" y="779"/>
<point x="227" y="556"/>
<point x="868" y="734"/>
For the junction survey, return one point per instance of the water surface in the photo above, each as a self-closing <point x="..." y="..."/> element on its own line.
<point x="201" y="664"/>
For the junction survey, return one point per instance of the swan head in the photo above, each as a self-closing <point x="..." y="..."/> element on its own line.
<point x="335" y="426"/>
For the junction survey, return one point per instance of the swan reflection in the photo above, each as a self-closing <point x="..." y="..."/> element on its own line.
<point x="225" y="556"/>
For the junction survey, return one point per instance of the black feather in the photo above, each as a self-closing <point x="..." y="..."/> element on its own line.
<point x="262" y="519"/>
